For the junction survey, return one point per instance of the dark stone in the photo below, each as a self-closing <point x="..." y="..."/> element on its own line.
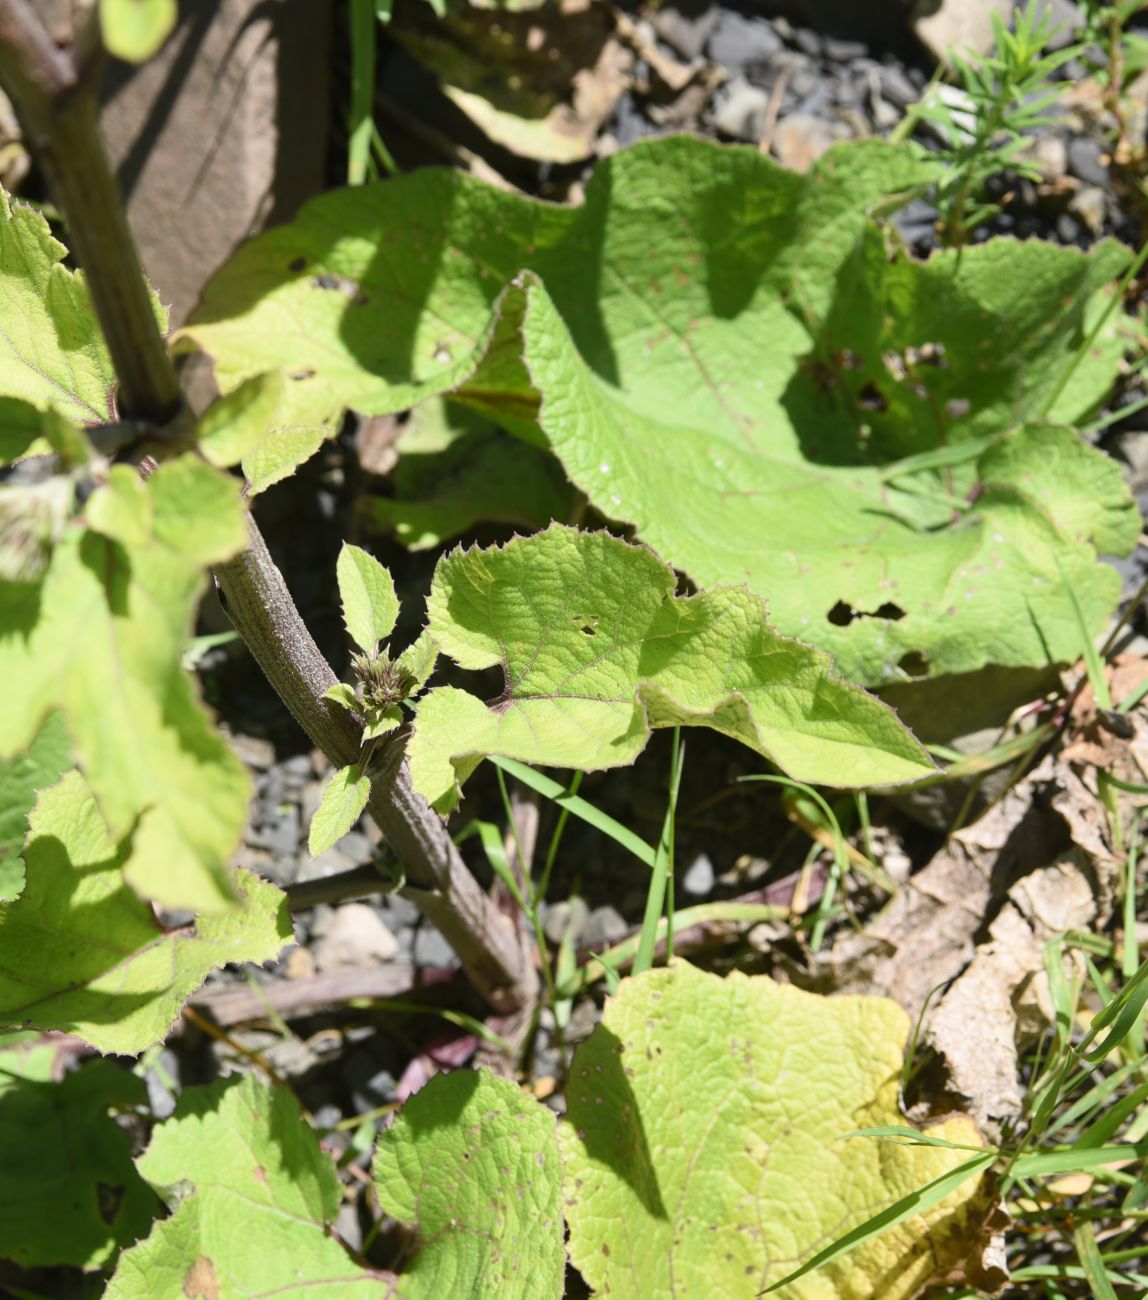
<point x="1067" y="228"/>
<point x="896" y="86"/>
<point x="1084" y="162"/>
<point x="630" y="123"/>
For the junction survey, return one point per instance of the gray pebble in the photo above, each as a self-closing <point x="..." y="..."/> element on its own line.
<point x="431" y="949"/>
<point x="1084" y="161"/>
<point x="896" y="86"/>
<point x="808" y="42"/>
<point x="604" y="926"/>
<point x="686" y="33"/>
<point x="741" y="44"/>
<point x="739" y="110"/>
<point x="280" y="834"/>
<point x="566" y="915"/>
<point x="330" y="863"/>
<point x="844" y="51"/>
<point x="357" y="847"/>
<point x="297" y="769"/>
<point x="399" y="911"/>
<point x="699" y="879"/>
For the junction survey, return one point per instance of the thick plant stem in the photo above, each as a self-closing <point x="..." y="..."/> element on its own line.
<point x="59" y="113"/>
<point x="487" y="943"/>
<point x="58" y="109"/>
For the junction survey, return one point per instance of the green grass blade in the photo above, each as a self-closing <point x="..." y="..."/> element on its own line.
<point x="662" y="873"/>
<point x="1088" y="1252"/>
<point x="917" y="1202"/>
<point x="578" y="807"/>
<point x="362" y="18"/>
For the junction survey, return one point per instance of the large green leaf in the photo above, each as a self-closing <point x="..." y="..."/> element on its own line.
<point x="731" y="358"/>
<point x="596" y="649"/>
<point x="69" y="1193"/>
<point x="80" y="952"/>
<point x="100" y="637"/>
<point x="254" y="1220"/>
<point x="41" y="765"/>
<point x="472" y="1163"/>
<point x="706" y="1149"/>
<point x="51" y="349"/>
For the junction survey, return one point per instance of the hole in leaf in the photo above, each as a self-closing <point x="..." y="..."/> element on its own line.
<point x="914" y="664"/>
<point x="870" y="398"/>
<point x="842" y="614"/>
<point x="297" y="264"/>
<point x="587" y="624"/>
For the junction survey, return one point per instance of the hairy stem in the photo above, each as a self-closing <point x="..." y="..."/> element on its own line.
<point x="58" y="108"/>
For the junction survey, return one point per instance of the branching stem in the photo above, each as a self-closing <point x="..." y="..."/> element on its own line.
<point x="58" y="107"/>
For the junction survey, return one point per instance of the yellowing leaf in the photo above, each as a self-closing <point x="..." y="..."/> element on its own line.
<point x="81" y="953"/>
<point x="100" y="638"/>
<point x="51" y="349"/>
<point x="706" y="1152"/>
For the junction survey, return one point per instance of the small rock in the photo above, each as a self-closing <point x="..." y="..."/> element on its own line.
<point x="299" y="965"/>
<point x="808" y="42"/>
<point x="896" y="86"/>
<point x="347" y="1226"/>
<point x="330" y="863"/>
<point x="431" y="949"/>
<point x="844" y="51"/>
<point x="355" y="937"/>
<point x="310" y="799"/>
<point x="1091" y="205"/>
<point x="699" y="878"/>
<point x="1050" y="154"/>
<point x="739" y="111"/>
<point x="1065" y="20"/>
<point x="605" y="926"/>
<point x="686" y="32"/>
<point x="958" y="24"/>
<point x="800" y="140"/>
<point x="357" y="847"/>
<point x="162" y="1081"/>
<point x="630" y="123"/>
<point x="400" y="911"/>
<point x="1084" y="161"/>
<point x="255" y="753"/>
<point x="1067" y="229"/>
<point x="297" y="767"/>
<point x="563" y="917"/>
<point x="741" y="44"/>
<point x="280" y="834"/>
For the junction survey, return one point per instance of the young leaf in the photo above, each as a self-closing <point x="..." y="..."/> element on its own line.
<point x="41" y="765"/>
<point x="472" y="1162"/>
<point x="702" y="1150"/>
<point x="101" y="638"/>
<point x="596" y="650"/>
<point x="343" y="800"/>
<point x="342" y="695"/>
<point x="255" y="1218"/>
<point x="59" y="1135"/>
<point x="419" y="659"/>
<point x="111" y="974"/>
<point x="367" y="592"/>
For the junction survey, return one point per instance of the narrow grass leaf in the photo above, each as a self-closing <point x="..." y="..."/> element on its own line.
<point x="908" y="1206"/>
